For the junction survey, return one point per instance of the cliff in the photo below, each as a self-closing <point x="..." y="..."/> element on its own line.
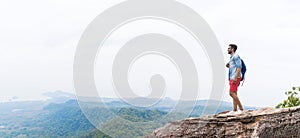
<point x="262" y="123"/>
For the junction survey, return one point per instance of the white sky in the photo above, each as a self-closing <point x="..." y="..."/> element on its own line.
<point x="39" y="38"/>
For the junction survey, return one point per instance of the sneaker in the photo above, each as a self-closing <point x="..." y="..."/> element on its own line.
<point x="238" y="112"/>
<point x="231" y="113"/>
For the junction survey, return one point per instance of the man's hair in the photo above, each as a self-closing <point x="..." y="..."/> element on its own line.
<point x="234" y="46"/>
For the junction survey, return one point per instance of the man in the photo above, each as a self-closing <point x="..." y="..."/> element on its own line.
<point x="235" y="76"/>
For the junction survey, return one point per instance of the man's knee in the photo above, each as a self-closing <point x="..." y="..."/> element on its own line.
<point x="232" y="94"/>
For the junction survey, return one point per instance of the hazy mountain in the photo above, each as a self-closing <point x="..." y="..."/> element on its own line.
<point x="61" y="115"/>
<point x="58" y="96"/>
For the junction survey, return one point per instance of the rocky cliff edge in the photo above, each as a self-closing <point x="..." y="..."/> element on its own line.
<point x="263" y="123"/>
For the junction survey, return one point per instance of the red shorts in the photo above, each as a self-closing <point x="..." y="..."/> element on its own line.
<point x="234" y="86"/>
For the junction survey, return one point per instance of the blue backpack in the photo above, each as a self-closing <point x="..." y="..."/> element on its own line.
<point x="244" y="69"/>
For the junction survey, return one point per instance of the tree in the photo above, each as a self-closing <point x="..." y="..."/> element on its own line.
<point x="292" y="100"/>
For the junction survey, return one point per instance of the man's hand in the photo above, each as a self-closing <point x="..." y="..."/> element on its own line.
<point x="227" y="65"/>
<point x="234" y="80"/>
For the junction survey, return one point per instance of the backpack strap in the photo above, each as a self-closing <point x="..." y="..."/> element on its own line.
<point x="243" y="82"/>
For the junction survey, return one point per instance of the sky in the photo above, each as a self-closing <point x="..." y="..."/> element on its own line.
<point x="39" y="39"/>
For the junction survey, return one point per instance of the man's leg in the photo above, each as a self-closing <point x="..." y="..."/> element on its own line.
<point x="236" y="101"/>
<point x="239" y="103"/>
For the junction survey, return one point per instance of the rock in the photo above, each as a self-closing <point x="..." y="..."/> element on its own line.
<point x="264" y="123"/>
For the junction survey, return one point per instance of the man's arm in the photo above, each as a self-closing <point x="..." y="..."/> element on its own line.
<point x="238" y="64"/>
<point x="238" y="71"/>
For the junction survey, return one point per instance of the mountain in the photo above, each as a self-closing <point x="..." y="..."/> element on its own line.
<point x="58" y="96"/>
<point x="61" y="116"/>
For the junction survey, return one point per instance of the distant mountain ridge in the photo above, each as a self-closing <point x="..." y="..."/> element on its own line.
<point x="61" y="115"/>
<point x="61" y="97"/>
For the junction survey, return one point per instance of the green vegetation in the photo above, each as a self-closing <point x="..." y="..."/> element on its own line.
<point x="67" y="120"/>
<point x="54" y="120"/>
<point x="292" y="100"/>
<point x="95" y="134"/>
<point x="135" y="123"/>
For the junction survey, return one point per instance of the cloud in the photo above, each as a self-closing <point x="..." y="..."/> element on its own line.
<point x="39" y="38"/>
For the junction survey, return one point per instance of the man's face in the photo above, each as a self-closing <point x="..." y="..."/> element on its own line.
<point x="230" y="50"/>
